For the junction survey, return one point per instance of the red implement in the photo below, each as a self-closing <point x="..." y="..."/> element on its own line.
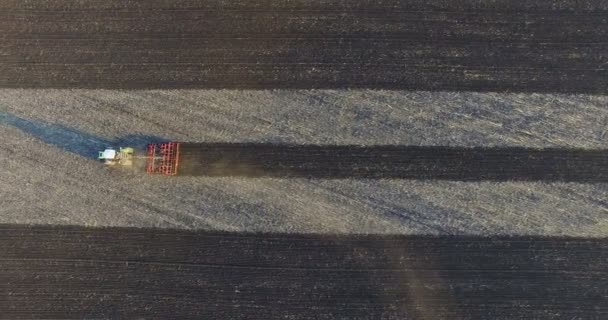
<point x="163" y="158"/>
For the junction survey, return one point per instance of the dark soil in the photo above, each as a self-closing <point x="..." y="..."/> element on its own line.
<point x="399" y="162"/>
<point x="76" y="273"/>
<point x="548" y="45"/>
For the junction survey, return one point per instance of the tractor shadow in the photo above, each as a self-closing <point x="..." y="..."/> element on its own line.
<point x="76" y="141"/>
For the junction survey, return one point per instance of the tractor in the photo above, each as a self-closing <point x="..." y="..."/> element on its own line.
<point x="123" y="157"/>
